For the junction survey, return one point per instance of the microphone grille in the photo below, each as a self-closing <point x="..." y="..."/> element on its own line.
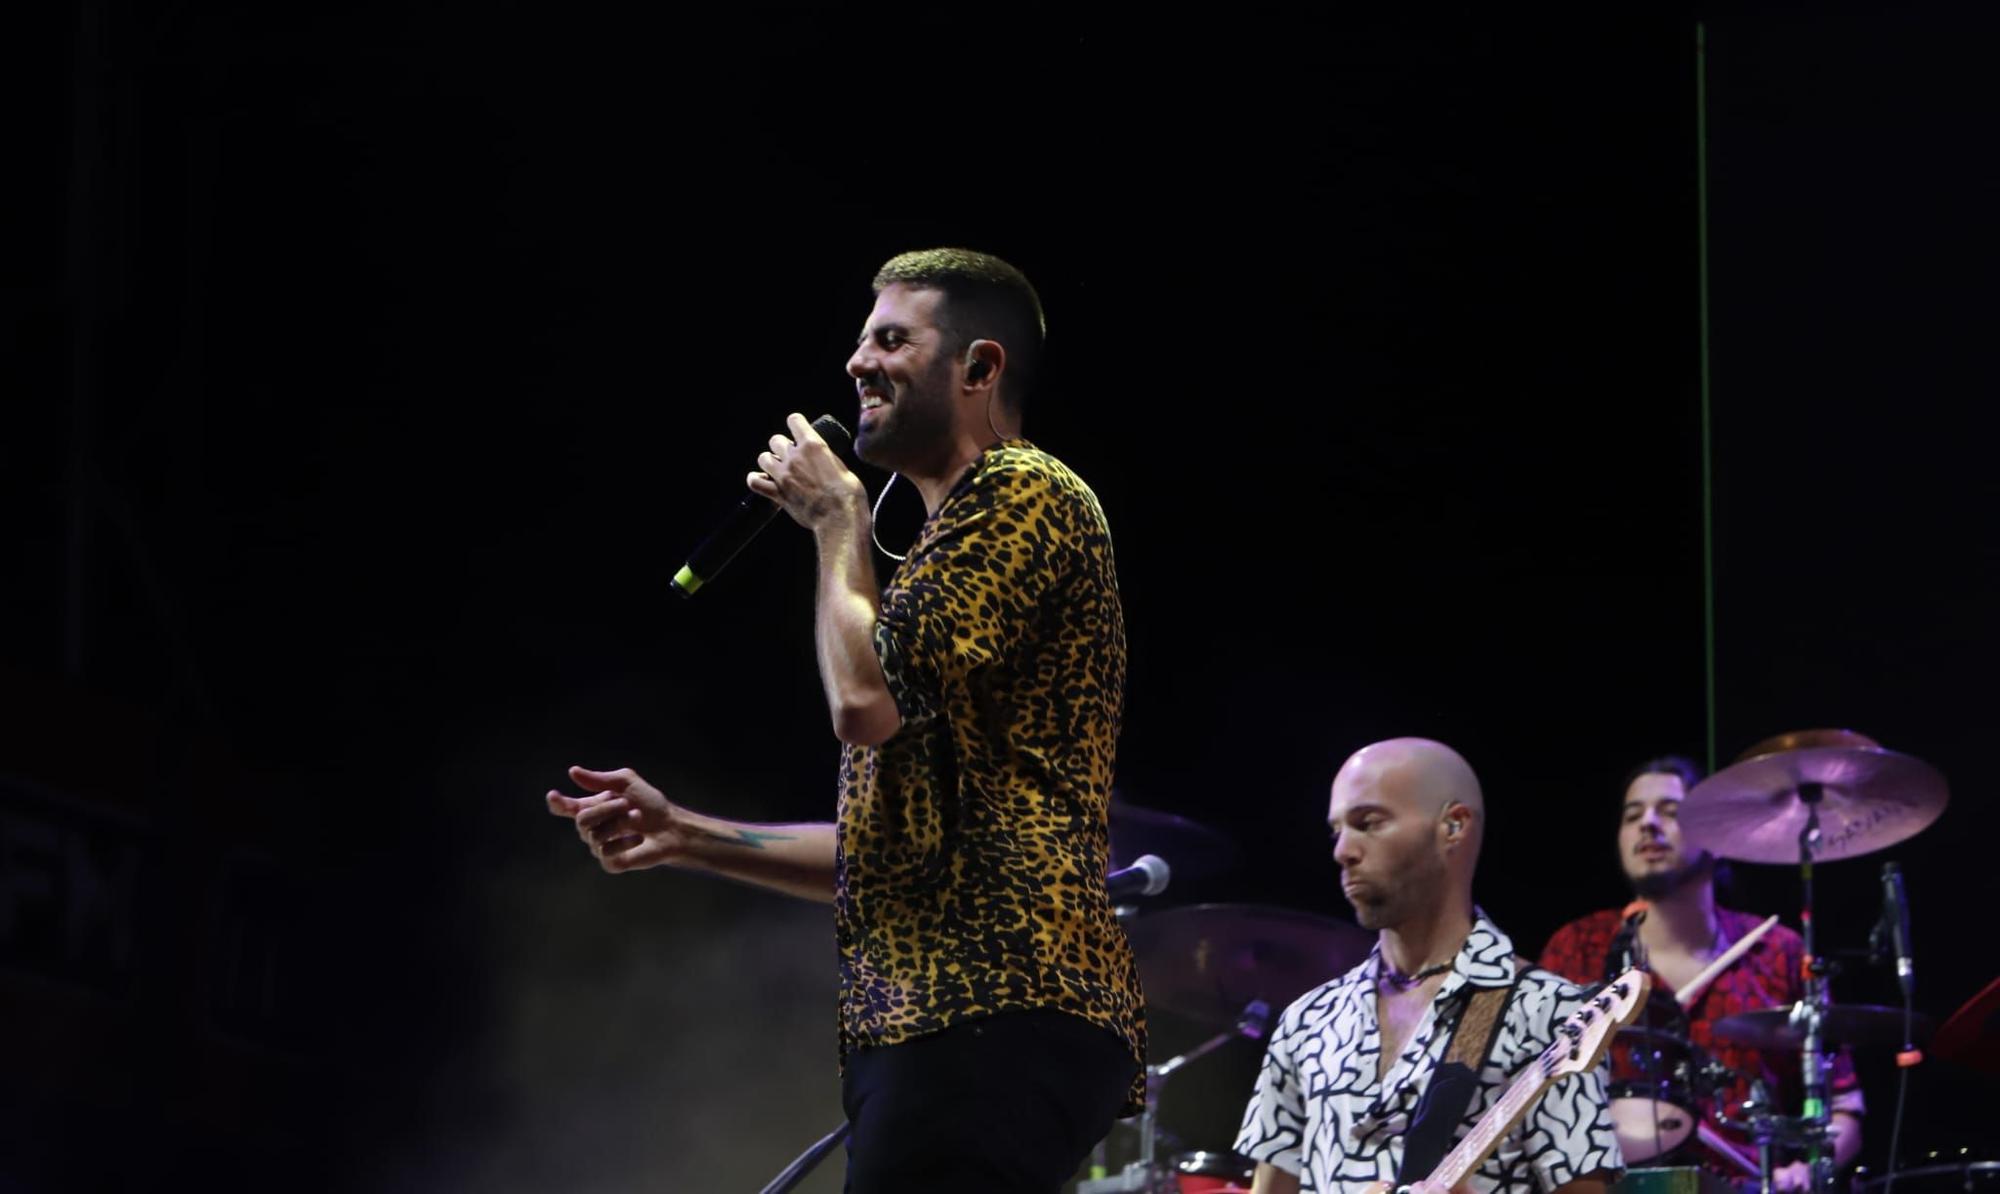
<point x="836" y="435"/>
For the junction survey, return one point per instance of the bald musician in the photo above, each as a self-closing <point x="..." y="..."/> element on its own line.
<point x="1351" y="1060"/>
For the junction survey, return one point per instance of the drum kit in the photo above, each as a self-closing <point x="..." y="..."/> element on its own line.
<point x="1801" y="799"/>
<point x="1811" y="797"/>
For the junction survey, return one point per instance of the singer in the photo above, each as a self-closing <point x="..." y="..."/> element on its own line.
<point x="1683" y="931"/>
<point x="990" y="1019"/>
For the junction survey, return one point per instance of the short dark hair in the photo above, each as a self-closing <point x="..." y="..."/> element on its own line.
<point x="1690" y="774"/>
<point x="984" y="299"/>
<point x="1679" y="765"/>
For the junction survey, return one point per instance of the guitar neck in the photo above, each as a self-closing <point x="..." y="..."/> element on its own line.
<point x="1485" y="1135"/>
<point x="1579" y="1042"/>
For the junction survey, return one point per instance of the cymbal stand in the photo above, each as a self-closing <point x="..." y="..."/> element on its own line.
<point x="1812" y="1009"/>
<point x="1813" y="1128"/>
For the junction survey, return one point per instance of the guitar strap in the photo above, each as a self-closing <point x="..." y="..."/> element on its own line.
<point x="1453" y="1083"/>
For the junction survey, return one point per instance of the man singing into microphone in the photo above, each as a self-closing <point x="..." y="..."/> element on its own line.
<point x="990" y="1018"/>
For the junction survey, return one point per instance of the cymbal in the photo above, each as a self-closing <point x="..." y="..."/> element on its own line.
<point x="1971" y="1037"/>
<point x="1192" y="850"/>
<point x="1870" y="798"/>
<point x="1844" y="1024"/>
<point x="1208" y="961"/>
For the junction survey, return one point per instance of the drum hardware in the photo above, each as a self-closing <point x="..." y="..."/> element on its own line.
<point x="1813" y="796"/>
<point x="1660" y="1081"/>
<point x="1856" y="797"/>
<point x="1657" y="1078"/>
<point x="1715" y="1142"/>
<point x="1146" y="1173"/>
<point x="1210" y="961"/>
<point x="1223" y="964"/>
<point x="1758" y="1118"/>
<point x="1784" y="1028"/>
<point x="1212" y="1173"/>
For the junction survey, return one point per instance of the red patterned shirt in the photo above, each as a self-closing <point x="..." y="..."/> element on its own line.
<point x="1767" y="976"/>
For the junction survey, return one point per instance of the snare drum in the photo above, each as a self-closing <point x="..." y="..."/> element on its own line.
<point x="1653" y="1065"/>
<point x="1212" y="1173"/>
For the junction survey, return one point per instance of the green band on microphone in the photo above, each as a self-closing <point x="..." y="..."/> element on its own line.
<point x="686" y="581"/>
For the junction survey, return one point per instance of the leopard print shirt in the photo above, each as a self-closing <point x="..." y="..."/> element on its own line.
<point x="973" y="844"/>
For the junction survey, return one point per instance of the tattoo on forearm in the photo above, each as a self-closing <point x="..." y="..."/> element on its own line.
<point x="753" y="839"/>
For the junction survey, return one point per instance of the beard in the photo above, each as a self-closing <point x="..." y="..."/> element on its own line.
<point x="1417" y="883"/>
<point x="1661" y="884"/>
<point x="916" y="422"/>
<point x="1376" y="914"/>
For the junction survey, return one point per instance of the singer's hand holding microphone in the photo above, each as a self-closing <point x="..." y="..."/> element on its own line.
<point x="804" y="475"/>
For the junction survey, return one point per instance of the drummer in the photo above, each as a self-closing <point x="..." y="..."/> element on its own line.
<point x="1684" y="931"/>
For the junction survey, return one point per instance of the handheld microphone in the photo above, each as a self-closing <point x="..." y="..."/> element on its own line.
<point x="751" y="515"/>
<point x="1147" y="876"/>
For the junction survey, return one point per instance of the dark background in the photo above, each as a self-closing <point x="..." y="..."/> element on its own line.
<point x="372" y="370"/>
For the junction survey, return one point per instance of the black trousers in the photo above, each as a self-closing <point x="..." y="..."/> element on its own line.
<point x="1010" y="1102"/>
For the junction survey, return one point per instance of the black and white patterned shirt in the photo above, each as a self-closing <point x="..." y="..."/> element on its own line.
<point x="1323" y="1111"/>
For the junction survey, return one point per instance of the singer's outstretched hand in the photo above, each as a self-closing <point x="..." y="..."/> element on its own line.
<point x="627" y="823"/>
<point x="802" y="474"/>
<point x="630" y="825"/>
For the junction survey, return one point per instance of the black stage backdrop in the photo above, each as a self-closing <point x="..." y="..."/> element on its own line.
<point x="374" y="369"/>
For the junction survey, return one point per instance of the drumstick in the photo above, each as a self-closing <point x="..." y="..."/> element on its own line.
<point x="1699" y="983"/>
<point x="1720" y="1145"/>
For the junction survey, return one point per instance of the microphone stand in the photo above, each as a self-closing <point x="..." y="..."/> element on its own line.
<point x="808" y="1161"/>
<point x="1143" y="1175"/>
